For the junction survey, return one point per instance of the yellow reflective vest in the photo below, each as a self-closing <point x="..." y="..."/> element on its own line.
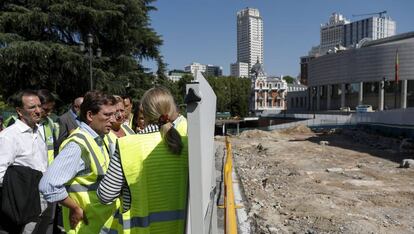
<point x="110" y="138"/>
<point x="158" y="182"/>
<point x="82" y="188"/>
<point x="181" y="125"/>
<point x="51" y="132"/>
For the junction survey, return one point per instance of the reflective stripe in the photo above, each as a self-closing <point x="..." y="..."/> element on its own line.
<point x="153" y="217"/>
<point x="74" y="188"/>
<point x="109" y="139"/>
<point x="128" y="129"/>
<point x="108" y="231"/>
<point x="50" y="147"/>
<point x="95" y="158"/>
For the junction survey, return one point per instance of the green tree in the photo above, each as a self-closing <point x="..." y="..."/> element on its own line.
<point x="289" y="79"/>
<point x="39" y="45"/>
<point x="233" y="94"/>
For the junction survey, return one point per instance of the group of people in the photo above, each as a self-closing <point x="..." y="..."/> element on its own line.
<point x="110" y="167"/>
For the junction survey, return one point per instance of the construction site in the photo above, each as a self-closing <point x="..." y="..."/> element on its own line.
<point x="329" y="181"/>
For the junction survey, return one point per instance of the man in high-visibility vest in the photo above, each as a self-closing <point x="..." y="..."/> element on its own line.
<point x="74" y="175"/>
<point x="49" y="129"/>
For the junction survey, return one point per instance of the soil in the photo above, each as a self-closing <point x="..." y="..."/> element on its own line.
<point x="337" y="181"/>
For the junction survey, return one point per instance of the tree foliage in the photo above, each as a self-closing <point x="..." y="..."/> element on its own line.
<point x="232" y="93"/>
<point x="289" y="79"/>
<point x="39" y="46"/>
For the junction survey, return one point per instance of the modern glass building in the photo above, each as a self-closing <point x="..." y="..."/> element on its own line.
<point x="364" y="75"/>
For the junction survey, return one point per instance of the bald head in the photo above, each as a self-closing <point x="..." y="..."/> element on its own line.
<point x="76" y="105"/>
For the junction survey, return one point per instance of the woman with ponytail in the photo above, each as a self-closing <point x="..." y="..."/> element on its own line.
<point x="150" y="170"/>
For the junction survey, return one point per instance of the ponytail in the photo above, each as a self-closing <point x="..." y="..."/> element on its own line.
<point x="172" y="138"/>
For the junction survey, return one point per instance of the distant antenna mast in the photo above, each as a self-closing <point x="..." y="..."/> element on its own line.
<point x="380" y="14"/>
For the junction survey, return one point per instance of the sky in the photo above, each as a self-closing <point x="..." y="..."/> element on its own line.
<point x="204" y="31"/>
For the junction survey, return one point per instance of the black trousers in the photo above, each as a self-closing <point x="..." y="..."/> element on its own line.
<point x="6" y="225"/>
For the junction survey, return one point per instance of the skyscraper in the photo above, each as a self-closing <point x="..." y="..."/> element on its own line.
<point x="332" y="33"/>
<point x="249" y="38"/>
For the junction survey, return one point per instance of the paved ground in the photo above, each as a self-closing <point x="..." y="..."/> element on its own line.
<point x="298" y="181"/>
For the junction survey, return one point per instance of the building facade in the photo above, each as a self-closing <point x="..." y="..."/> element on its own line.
<point x="249" y="37"/>
<point x="176" y="75"/>
<point x="364" y="75"/>
<point x="194" y="67"/>
<point x="212" y="70"/>
<point x="371" y="28"/>
<point x="339" y="34"/>
<point x="297" y="97"/>
<point x="239" y="70"/>
<point x="268" y="93"/>
<point x="332" y="33"/>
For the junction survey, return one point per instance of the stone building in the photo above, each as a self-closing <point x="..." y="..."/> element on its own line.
<point x="268" y="93"/>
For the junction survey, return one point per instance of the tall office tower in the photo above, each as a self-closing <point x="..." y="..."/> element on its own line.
<point x="374" y="28"/>
<point x="332" y="33"/>
<point x="249" y="37"/>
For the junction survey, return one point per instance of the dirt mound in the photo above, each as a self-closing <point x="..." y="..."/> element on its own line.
<point x="256" y="134"/>
<point x="297" y="129"/>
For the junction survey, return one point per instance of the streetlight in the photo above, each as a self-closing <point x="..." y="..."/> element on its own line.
<point x="89" y="50"/>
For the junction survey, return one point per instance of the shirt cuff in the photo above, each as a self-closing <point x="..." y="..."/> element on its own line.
<point x="57" y="195"/>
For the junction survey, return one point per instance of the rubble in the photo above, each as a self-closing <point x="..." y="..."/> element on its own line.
<point x="339" y="181"/>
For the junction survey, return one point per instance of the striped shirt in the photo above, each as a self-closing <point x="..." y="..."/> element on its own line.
<point x="114" y="183"/>
<point x="67" y="165"/>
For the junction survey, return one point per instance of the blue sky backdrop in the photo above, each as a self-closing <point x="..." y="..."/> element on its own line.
<point x="204" y="31"/>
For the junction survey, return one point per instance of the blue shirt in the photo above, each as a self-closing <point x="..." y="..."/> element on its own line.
<point x="67" y="165"/>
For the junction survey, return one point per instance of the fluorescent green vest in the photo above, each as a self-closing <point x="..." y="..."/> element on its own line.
<point x="51" y="133"/>
<point x="82" y="188"/>
<point x="158" y="182"/>
<point x="9" y="121"/>
<point x="110" y="138"/>
<point x="181" y="125"/>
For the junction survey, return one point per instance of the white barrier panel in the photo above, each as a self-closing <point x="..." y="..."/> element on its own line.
<point x="201" y="111"/>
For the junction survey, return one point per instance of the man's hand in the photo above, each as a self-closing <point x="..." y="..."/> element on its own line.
<point x="75" y="216"/>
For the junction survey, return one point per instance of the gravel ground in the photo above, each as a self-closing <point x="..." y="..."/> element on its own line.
<point x="344" y="181"/>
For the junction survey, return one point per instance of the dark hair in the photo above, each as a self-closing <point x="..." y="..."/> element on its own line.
<point x="127" y="97"/>
<point x="45" y="96"/>
<point x="135" y="116"/>
<point x="93" y="100"/>
<point x="17" y="99"/>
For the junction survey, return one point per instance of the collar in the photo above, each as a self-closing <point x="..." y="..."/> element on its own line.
<point x="24" y="127"/>
<point x="98" y="139"/>
<point x="73" y="113"/>
<point x="88" y="129"/>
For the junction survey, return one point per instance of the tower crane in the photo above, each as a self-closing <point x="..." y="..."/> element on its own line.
<point x="380" y="14"/>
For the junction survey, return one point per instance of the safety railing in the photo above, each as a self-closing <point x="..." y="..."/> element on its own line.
<point x="230" y="220"/>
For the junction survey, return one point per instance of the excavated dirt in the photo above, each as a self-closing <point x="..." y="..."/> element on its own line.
<point x="347" y="181"/>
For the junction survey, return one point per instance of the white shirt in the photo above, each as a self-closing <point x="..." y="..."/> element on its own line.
<point x="19" y="145"/>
